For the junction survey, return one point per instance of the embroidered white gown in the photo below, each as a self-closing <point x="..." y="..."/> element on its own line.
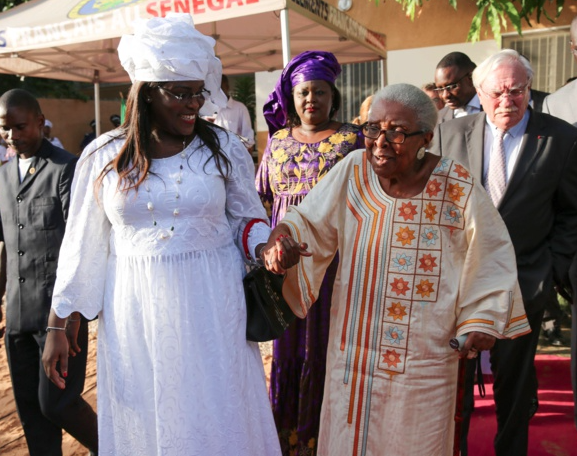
<point x="176" y="375"/>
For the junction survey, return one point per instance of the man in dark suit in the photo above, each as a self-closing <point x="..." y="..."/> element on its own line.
<point x="537" y="99"/>
<point x="528" y="164"/>
<point x="455" y="86"/>
<point x="563" y="104"/>
<point x="35" y="193"/>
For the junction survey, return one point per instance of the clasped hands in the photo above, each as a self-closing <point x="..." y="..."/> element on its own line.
<point x="282" y="252"/>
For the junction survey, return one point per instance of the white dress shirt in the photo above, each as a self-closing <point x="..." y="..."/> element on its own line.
<point x="472" y="107"/>
<point x="512" y="141"/>
<point x="55" y="142"/>
<point x="235" y="117"/>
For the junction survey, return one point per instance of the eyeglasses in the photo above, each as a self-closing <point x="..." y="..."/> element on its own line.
<point x="392" y="136"/>
<point x="513" y="93"/>
<point x="451" y="87"/>
<point x="187" y="97"/>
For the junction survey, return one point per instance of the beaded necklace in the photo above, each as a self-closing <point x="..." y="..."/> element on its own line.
<point x="176" y="212"/>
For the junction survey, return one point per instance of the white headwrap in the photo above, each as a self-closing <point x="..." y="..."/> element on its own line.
<point x="171" y="49"/>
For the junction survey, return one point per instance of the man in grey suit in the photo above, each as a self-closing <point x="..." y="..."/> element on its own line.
<point x="528" y="164"/>
<point x="455" y="86"/>
<point x="563" y="104"/>
<point x="35" y="193"/>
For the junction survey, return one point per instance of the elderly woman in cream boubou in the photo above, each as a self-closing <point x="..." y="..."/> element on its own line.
<point x="424" y="256"/>
<point x="163" y="212"/>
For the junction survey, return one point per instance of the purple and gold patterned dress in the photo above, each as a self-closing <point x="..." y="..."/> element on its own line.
<point x="288" y="171"/>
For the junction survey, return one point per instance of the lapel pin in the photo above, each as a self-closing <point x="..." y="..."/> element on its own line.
<point x="32" y="170"/>
<point x="540" y="137"/>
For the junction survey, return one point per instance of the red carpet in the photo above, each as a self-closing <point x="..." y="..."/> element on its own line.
<point x="552" y="431"/>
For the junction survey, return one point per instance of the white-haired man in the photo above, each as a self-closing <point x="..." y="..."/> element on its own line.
<point x="527" y="162"/>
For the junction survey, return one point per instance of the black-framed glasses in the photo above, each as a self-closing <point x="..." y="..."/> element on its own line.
<point x="451" y="87"/>
<point x="513" y="93"/>
<point x="187" y="97"/>
<point x="392" y="136"/>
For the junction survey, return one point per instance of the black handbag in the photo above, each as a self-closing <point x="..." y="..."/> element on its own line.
<point x="268" y="314"/>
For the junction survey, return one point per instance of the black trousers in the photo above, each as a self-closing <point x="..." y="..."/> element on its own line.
<point x="45" y="410"/>
<point x="573" y="275"/>
<point x="574" y="356"/>
<point x="513" y="367"/>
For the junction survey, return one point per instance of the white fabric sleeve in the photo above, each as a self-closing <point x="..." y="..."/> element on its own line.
<point x="82" y="265"/>
<point x="246" y="128"/>
<point x="242" y="201"/>
<point x="258" y="234"/>
<point x="489" y="298"/>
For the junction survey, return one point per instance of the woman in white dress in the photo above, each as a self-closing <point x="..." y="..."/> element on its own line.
<point x="163" y="212"/>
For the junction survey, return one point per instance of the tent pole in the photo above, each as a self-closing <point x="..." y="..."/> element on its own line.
<point x="285" y="34"/>
<point x="97" y="101"/>
<point x="383" y="71"/>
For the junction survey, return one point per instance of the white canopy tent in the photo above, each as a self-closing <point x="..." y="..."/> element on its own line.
<point x="76" y="40"/>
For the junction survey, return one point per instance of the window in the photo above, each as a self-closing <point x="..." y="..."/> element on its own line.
<point x="550" y="55"/>
<point x="356" y="82"/>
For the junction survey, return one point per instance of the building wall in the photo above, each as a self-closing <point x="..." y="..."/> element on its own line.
<point x="436" y="23"/>
<point x="415" y="47"/>
<point x="417" y="66"/>
<point x="71" y="119"/>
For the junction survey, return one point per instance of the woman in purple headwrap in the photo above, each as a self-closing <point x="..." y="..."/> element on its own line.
<point x="305" y="142"/>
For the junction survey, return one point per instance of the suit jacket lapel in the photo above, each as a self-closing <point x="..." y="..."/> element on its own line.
<point x="573" y="105"/>
<point x="13" y="173"/>
<point x="531" y="147"/>
<point x="475" y="138"/>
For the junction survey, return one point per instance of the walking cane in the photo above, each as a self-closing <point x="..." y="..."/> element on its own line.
<point x="455" y="344"/>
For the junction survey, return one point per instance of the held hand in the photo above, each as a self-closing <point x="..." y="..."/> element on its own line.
<point x="72" y="328"/>
<point x="475" y="343"/>
<point x="283" y="253"/>
<point x="55" y="351"/>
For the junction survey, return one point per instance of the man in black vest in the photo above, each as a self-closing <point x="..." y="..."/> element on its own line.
<point x="35" y="193"/>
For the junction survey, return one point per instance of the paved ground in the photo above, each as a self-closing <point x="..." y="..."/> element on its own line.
<point x="546" y="347"/>
<point x="12" y="441"/>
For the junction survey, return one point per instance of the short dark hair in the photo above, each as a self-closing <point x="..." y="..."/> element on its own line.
<point x="457" y="59"/>
<point x="22" y="99"/>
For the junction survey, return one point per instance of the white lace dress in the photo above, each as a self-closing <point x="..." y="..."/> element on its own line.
<point x="176" y="375"/>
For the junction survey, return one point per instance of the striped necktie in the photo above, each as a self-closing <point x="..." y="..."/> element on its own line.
<point x="497" y="176"/>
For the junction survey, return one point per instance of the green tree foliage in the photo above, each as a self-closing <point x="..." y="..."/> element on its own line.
<point x="44" y="88"/>
<point x="244" y="92"/>
<point x="497" y="13"/>
<point x="7" y="4"/>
